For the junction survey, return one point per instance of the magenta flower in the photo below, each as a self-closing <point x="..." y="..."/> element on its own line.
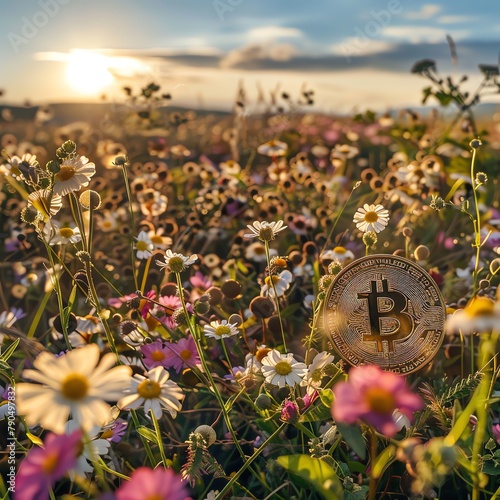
<point x="184" y="355"/>
<point x="42" y="467"/>
<point x="148" y="484"/>
<point x="156" y="354"/>
<point x="372" y="395"/>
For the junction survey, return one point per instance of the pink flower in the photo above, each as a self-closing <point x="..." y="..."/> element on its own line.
<point x="156" y="354"/>
<point x="495" y="429"/>
<point x="184" y="355"/>
<point x="290" y="412"/>
<point x="42" y="467"/>
<point x="148" y="484"/>
<point x="200" y="281"/>
<point x="372" y="395"/>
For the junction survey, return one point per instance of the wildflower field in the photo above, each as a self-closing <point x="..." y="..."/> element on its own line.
<point x="164" y="277"/>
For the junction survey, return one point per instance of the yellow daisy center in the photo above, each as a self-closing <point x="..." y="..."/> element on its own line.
<point x="157" y="356"/>
<point x="340" y="250"/>
<point x="156" y="240"/>
<point x="371" y="217"/>
<point x="185" y="354"/>
<point x="259" y="250"/>
<point x="50" y="463"/>
<point x="280" y="262"/>
<point x="480" y="306"/>
<point x="66" y="173"/>
<point x="283" y="368"/>
<point x="222" y="330"/>
<point x="176" y="264"/>
<point x="66" y="232"/>
<point x="380" y="400"/>
<point x="149" y="389"/>
<point x="75" y="387"/>
<point x="141" y="245"/>
<point x="266" y="233"/>
<point x="154" y="496"/>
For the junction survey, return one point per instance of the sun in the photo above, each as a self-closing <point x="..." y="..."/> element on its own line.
<point x="88" y="73"/>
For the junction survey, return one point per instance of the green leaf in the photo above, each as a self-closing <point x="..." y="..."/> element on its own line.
<point x="315" y="472"/>
<point x="354" y="438"/>
<point x="10" y="350"/>
<point x="383" y="460"/>
<point x="320" y="412"/>
<point x="34" y="439"/>
<point x="443" y="98"/>
<point x="327" y="397"/>
<point x="147" y="433"/>
<point x="360" y="493"/>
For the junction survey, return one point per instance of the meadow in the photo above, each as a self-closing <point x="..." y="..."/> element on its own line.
<point x="163" y="282"/>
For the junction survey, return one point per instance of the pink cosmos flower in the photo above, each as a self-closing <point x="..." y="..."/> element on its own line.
<point x="155" y="354"/>
<point x="184" y="355"/>
<point x="42" y="467"/>
<point x="157" y="484"/>
<point x="372" y="395"/>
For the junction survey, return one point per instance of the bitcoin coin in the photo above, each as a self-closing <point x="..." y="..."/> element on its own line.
<point x="385" y="310"/>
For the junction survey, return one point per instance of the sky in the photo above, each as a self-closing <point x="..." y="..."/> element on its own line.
<point x="354" y="54"/>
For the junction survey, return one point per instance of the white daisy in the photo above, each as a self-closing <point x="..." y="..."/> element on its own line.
<point x="74" y="174"/>
<point x="481" y="315"/>
<point x="342" y="254"/>
<point x="220" y="330"/>
<point x="281" y="284"/>
<point x="57" y="235"/>
<point x="73" y="384"/>
<point x="371" y="218"/>
<point x="176" y="262"/>
<point x="282" y="369"/>
<point x="144" y="246"/>
<point x="153" y="390"/>
<point x="314" y="375"/>
<point x="265" y="231"/>
<point x="273" y="148"/>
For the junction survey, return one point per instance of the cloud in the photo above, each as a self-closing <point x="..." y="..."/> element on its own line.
<point x="258" y="51"/>
<point x="427" y="11"/>
<point x="420" y="34"/>
<point x="273" y="33"/>
<point x="352" y="46"/>
<point x="453" y="19"/>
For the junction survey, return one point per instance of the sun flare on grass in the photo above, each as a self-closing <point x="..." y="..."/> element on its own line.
<point x="88" y="73"/>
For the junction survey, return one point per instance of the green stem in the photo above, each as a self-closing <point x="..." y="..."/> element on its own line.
<point x="149" y="453"/>
<point x="477" y="222"/>
<point x="132" y="219"/>
<point x="278" y="309"/>
<point x="206" y="368"/>
<point x="245" y="466"/>
<point x="145" y="275"/>
<point x="159" y="439"/>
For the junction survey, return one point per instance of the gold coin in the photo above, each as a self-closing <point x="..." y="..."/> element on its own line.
<point x="385" y="310"/>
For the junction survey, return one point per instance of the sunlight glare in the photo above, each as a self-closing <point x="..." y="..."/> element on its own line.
<point x="88" y="73"/>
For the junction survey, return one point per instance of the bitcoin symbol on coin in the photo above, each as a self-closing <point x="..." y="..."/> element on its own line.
<point x="388" y="319"/>
<point x="385" y="310"/>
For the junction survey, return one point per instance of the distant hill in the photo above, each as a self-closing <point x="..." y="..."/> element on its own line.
<point x="63" y="113"/>
<point x="92" y="113"/>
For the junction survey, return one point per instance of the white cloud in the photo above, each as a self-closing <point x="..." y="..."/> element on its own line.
<point x="420" y="34"/>
<point x="352" y="47"/>
<point x="427" y="11"/>
<point x="453" y="19"/>
<point x="273" y="33"/>
<point x="256" y="51"/>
